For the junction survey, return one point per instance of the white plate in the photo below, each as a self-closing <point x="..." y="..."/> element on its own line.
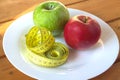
<point x="81" y="65"/>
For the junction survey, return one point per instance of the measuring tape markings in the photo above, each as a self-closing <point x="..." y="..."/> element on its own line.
<point x="46" y="60"/>
<point x="39" y="40"/>
<point x="43" y="50"/>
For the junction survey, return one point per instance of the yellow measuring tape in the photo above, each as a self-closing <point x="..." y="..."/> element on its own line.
<point x="43" y="50"/>
<point x="39" y="40"/>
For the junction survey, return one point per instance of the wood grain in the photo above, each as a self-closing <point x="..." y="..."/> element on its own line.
<point x="108" y="11"/>
<point x="2" y="31"/>
<point x="116" y="27"/>
<point x="10" y="8"/>
<point x="111" y="74"/>
<point x="8" y="72"/>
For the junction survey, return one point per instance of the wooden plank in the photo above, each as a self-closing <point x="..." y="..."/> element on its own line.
<point x="8" y="72"/>
<point x="2" y="31"/>
<point x="1" y="48"/>
<point x="110" y="10"/>
<point x="4" y="64"/>
<point x="10" y="8"/>
<point x="112" y="74"/>
<point x="68" y="2"/>
<point x="13" y="74"/>
<point x="116" y="27"/>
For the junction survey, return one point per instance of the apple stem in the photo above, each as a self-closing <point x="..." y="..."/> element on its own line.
<point x="50" y="7"/>
<point x="85" y="19"/>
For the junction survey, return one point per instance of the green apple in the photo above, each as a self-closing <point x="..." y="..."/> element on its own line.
<point x="52" y="15"/>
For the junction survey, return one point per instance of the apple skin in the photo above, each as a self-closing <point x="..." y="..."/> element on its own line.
<point x="52" y="15"/>
<point x="81" y="32"/>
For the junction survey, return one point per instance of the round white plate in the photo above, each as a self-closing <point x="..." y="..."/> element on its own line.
<point x="81" y="65"/>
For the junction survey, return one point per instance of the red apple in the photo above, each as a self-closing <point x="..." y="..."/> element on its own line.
<point x="81" y="32"/>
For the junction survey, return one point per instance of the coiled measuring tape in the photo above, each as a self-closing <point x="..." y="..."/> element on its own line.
<point x="43" y="50"/>
<point x="56" y="56"/>
<point x="39" y="40"/>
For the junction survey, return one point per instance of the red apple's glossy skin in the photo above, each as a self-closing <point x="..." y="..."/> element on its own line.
<point x="81" y="32"/>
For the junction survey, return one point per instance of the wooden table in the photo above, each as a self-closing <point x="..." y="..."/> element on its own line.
<point x="108" y="10"/>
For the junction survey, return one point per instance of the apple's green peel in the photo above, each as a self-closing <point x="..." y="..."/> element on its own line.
<point x="43" y="50"/>
<point x="52" y="15"/>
